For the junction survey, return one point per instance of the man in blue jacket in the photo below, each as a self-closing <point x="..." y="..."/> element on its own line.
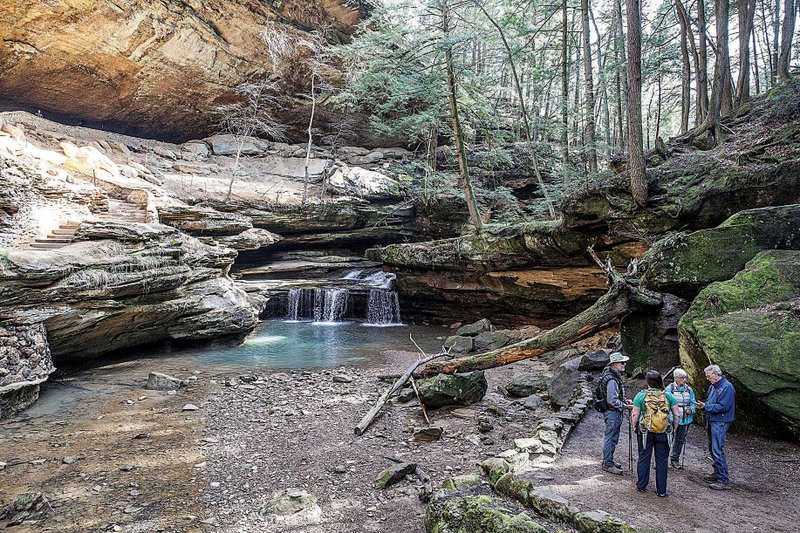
<point x="719" y="407"/>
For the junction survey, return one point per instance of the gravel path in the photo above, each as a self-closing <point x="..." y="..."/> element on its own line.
<point x="764" y="496"/>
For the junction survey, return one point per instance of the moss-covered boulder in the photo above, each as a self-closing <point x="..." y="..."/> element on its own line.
<point x="750" y="327"/>
<point x="684" y="263"/>
<point x="468" y="514"/>
<point x="527" y="384"/>
<point x="452" y="389"/>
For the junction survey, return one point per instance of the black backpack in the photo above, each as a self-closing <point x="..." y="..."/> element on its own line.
<point x="599" y="395"/>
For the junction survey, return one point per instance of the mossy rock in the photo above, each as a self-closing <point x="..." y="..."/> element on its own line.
<point x="476" y="513"/>
<point x="684" y="263"/>
<point x="750" y="327"/>
<point x="527" y="384"/>
<point x="452" y="389"/>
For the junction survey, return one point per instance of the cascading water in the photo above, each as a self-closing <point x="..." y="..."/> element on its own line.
<point x="321" y="305"/>
<point x="330" y="305"/>
<point x="383" y="308"/>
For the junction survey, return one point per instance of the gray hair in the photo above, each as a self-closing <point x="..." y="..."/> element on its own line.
<point x="679" y="373"/>
<point x="714" y="369"/>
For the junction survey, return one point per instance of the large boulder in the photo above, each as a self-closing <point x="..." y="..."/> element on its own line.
<point x="564" y="382"/>
<point x="452" y="513"/>
<point x="684" y="263"/>
<point x="490" y="340"/>
<point x="453" y="389"/>
<point x="596" y="360"/>
<point x="476" y="328"/>
<point x="368" y="184"/>
<point x="749" y="326"/>
<point x="527" y="384"/>
<point x="459" y="345"/>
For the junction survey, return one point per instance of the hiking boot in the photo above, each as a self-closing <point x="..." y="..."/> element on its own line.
<point x="674" y="463"/>
<point x="710" y="477"/>
<point x="663" y="495"/>
<point x="613" y="469"/>
<point x="720" y="486"/>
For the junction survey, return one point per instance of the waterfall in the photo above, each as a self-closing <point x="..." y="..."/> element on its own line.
<point x="383" y="308"/>
<point x="300" y="304"/>
<point x="330" y="305"/>
<point x="321" y="305"/>
<point x="372" y="278"/>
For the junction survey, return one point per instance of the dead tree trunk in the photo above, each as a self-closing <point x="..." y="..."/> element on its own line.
<point x="398" y="384"/>
<point x="622" y="297"/>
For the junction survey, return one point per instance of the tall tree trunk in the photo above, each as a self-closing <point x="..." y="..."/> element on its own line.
<point x="787" y="33"/>
<point x="658" y="113"/>
<point x="601" y="70"/>
<point x="636" y="165"/>
<point x="702" y="42"/>
<point x="756" y="75"/>
<point x="564" y="95"/>
<point x="721" y="74"/>
<point x="463" y="168"/>
<point x="686" y="76"/>
<point x="747" y="9"/>
<point x="588" y="96"/>
<point x="776" y="43"/>
<point x="622" y="95"/>
<point x="577" y="136"/>
<point x="310" y="138"/>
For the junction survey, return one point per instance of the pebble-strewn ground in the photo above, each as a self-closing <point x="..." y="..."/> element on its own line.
<point x="134" y="460"/>
<point x="295" y="431"/>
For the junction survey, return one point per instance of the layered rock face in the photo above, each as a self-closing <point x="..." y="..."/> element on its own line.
<point x="153" y="68"/>
<point x="97" y="296"/>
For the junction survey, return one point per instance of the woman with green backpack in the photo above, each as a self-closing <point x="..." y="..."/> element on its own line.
<point x="655" y="416"/>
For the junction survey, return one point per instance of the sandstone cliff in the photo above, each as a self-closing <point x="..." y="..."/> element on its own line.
<point x="154" y="68"/>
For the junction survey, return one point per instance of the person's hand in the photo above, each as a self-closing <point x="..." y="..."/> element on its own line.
<point x="701" y="405"/>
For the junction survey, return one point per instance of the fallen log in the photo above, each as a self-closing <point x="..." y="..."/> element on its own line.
<point x="622" y="297"/>
<point x="367" y="420"/>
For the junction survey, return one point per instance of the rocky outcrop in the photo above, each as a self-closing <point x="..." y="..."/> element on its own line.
<point x="684" y="263"/>
<point x="25" y="363"/>
<point x="90" y="293"/>
<point x="455" y="389"/>
<point x="151" y="68"/>
<point x="363" y="183"/>
<point x="748" y="326"/>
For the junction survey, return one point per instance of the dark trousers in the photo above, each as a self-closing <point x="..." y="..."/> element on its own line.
<point x="659" y="443"/>
<point x="680" y="440"/>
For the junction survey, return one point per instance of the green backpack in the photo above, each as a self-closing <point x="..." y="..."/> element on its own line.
<point x="655" y="415"/>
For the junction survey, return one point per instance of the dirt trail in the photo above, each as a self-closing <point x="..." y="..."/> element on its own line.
<point x="764" y="474"/>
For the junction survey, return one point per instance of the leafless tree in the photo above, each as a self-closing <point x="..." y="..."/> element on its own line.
<point x="252" y="115"/>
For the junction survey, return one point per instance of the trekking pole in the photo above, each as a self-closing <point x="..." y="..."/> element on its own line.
<point x="685" y="439"/>
<point x="630" y="446"/>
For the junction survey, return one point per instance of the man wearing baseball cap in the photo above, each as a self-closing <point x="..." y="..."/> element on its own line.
<point x="614" y="392"/>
